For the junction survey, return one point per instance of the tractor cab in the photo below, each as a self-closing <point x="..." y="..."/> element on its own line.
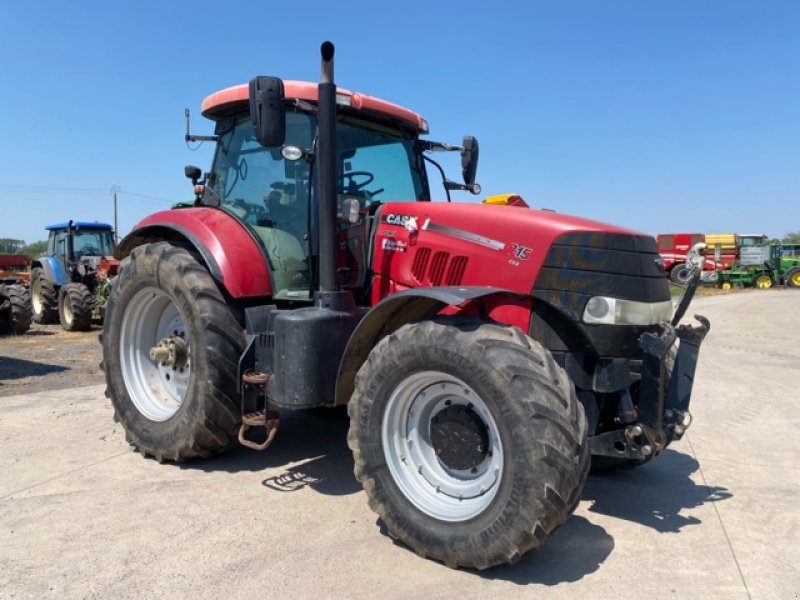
<point x="79" y="245"/>
<point x="273" y="191"/>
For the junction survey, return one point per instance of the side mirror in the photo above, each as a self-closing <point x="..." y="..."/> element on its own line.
<point x="192" y="173"/>
<point x="268" y="111"/>
<point x="469" y="160"/>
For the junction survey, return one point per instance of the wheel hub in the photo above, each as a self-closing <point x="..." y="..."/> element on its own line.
<point x="459" y="437"/>
<point x="170" y="352"/>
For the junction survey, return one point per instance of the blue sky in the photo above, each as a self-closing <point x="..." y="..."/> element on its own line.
<point x="659" y="116"/>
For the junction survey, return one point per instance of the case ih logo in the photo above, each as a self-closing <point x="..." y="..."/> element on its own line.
<point x="401" y="220"/>
<point x="522" y="252"/>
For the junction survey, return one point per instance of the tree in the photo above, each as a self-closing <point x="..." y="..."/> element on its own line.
<point x="792" y="238"/>
<point x="10" y="245"/>
<point x="35" y="249"/>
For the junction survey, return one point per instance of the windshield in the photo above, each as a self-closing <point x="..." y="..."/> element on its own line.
<point x="274" y="197"/>
<point x="85" y="242"/>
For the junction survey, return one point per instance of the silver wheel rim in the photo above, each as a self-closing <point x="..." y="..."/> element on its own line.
<point x="157" y="390"/>
<point x="36" y="296"/>
<point x="67" y="308"/>
<point x="427" y="482"/>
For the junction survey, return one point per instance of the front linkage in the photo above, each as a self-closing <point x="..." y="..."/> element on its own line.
<point x="665" y="388"/>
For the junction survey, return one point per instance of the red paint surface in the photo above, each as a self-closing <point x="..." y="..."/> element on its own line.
<point x="533" y="230"/>
<point x="239" y="258"/>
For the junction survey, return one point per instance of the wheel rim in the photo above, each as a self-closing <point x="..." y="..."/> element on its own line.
<point x="67" y="308"/>
<point x="413" y="416"/>
<point x="796" y="279"/>
<point x="156" y="389"/>
<point x="763" y="282"/>
<point x="726" y="285"/>
<point x="36" y="296"/>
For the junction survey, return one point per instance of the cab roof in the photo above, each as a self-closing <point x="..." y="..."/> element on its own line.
<point x="78" y="225"/>
<point x="235" y="99"/>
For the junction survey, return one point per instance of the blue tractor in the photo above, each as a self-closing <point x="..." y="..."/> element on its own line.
<point x="68" y="284"/>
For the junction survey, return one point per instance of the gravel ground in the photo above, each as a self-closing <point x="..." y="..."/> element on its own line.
<point x="48" y="358"/>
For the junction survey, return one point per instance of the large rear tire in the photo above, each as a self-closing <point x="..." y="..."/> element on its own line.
<point x="680" y="275"/>
<point x="44" y="297"/>
<point x="468" y="439"/>
<point x="21" y="310"/>
<point x="75" y="305"/>
<point x="793" y="278"/>
<point x="17" y="317"/>
<point x="185" y="408"/>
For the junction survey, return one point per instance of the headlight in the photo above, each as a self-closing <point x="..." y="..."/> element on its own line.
<point x="614" y="311"/>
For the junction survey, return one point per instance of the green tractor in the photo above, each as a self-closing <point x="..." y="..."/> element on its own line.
<point x="762" y="266"/>
<point x="71" y="282"/>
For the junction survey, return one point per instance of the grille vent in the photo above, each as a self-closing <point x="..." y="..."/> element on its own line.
<point x="438" y="269"/>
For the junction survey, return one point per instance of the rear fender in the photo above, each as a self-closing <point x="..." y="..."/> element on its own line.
<point x="231" y="254"/>
<point x="419" y="303"/>
<point x="52" y="269"/>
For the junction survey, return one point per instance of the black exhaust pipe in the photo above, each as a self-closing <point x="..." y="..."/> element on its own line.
<point x="326" y="167"/>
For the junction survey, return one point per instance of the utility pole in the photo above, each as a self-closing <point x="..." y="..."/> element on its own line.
<point x="115" y="190"/>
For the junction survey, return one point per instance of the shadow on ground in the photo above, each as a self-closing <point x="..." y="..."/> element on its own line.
<point x="19" y="368"/>
<point x="654" y="494"/>
<point x="317" y="442"/>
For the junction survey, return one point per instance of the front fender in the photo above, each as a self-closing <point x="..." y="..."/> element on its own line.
<point x="394" y="312"/>
<point x="52" y="269"/>
<point x="232" y="255"/>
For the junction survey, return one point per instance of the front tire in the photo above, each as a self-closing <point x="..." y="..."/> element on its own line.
<point x="468" y="439"/>
<point x="188" y="408"/>
<point x="75" y="304"/>
<point x="793" y="278"/>
<point x="44" y="298"/>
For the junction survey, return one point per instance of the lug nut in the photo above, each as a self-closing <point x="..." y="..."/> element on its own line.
<point x="646" y="450"/>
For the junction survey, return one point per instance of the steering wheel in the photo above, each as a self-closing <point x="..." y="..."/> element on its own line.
<point x="90" y="251"/>
<point x="352" y="184"/>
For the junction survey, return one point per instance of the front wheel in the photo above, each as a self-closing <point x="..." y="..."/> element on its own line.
<point x="75" y="304"/>
<point x="763" y="282"/>
<point x="170" y="350"/>
<point x="469" y="441"/>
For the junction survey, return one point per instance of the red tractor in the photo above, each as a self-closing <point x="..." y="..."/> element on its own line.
<point x="487" y="354"/>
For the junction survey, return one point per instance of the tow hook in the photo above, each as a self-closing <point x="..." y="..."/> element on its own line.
<point x="258" y="419"/>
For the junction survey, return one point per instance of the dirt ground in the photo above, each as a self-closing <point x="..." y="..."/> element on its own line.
<point x="82" y="515"/>
<point x="47" y="358"/>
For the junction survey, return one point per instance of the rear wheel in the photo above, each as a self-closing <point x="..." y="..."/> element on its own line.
<point x="75" y="304"/>
<point x="793" y="278"/>
<point x="680" y="275"/>
<point x="181" y="403"/>
<point x="725" y="285"/>
<point x="17" y="312"/>
<point x="44" y="298"/>
<point x="763" y="282"/>
<point x="469" y="441"/>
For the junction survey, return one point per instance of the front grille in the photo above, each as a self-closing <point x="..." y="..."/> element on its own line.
<point x="581" y="265"/>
